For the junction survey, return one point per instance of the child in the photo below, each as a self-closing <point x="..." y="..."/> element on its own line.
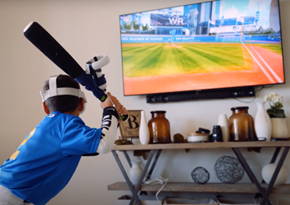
<point x="48" y="156"/>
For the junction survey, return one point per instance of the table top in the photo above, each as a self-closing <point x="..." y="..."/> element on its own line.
<point x="205" y="145"/>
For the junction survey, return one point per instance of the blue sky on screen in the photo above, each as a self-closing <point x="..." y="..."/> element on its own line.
<point x="238" y="8"/>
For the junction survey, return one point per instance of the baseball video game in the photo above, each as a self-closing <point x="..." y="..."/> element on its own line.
<point x="208" y="45"/>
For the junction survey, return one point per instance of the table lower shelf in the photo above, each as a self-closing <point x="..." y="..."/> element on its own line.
<point x="205" y="188"/>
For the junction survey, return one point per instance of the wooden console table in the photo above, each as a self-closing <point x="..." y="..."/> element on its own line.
<point x="155" y="150"/>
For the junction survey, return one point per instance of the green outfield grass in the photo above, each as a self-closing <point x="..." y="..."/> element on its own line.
<point x="272" y="47"/>
<point x="166" y="59"/>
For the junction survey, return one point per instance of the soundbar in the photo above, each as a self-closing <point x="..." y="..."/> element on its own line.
<point x="201" y="95"/>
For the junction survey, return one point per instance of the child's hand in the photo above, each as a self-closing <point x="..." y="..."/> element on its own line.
<point x="112" y="101"/>
<point x="119" y="107"/>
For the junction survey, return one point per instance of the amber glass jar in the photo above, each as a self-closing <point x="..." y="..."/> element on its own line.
<point x="241" y="125"/>
<point x="159" y="127"/>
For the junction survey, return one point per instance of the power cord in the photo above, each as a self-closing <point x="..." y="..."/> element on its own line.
<point x="157" y="180"/>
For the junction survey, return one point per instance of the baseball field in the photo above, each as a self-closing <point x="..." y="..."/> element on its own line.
<point x="195" y="65"/>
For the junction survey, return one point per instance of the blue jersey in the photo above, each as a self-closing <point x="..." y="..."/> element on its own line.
<point x="47" y="158"/>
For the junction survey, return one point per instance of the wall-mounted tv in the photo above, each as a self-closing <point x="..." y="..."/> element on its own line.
<point x="219" y="48"/>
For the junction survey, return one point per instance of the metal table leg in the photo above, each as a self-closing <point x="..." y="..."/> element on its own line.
<point x="275" y="174"/>
<point x="148" y="176"/>
<point x="274" y="157"/>
<point x="125" y="175"/>
<point x="127" y="158"/>
<point x="250" y="173"/>
<point x="153" y="164"/>
<point x="136" y="190"/>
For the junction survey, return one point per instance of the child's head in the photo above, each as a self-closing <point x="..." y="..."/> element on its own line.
<point x="65" y="100"/>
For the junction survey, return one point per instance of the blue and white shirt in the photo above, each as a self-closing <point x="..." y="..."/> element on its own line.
<point x="48" y="157"/>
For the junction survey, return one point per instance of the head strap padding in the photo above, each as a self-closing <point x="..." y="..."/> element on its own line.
<point x="54" y="91"/>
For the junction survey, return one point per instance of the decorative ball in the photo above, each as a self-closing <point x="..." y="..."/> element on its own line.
<point x="268" y="171"/>
<point x="228" y="169"/>
<point x="200" y="175"/>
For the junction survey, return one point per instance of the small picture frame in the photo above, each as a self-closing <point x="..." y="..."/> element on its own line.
<point x="130" y="128"/>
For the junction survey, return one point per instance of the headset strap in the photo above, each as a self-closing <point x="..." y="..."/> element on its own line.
<point x="54" y="91"/>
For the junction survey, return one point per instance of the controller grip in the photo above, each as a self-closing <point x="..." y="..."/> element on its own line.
<point x="124" y="117"/>
<point x="93" y="67"/>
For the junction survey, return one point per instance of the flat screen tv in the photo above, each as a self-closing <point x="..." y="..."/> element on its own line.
<point x="213" y="49"/>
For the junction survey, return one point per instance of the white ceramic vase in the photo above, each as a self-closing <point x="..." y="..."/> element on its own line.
<point x="279" y="128"/>
<point x="223" y="122"/>
<point x="144" y="134"/>
<point x="268" y="171"/>
<point x="135" y="171"/>
<point x="263" y="124"/>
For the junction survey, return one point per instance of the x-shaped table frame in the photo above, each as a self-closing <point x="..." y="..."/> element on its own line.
<point x="264" y="194"/>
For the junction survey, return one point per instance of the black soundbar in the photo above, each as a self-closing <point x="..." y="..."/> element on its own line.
<point x="201" y="95"/>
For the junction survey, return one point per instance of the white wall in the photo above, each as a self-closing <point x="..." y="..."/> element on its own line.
<point x="79" y="26"/>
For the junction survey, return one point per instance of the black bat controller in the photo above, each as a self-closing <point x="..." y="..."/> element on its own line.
<point x="41" y="39"/>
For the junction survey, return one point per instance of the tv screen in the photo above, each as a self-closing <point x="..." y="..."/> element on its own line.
<point x="202" y="46"/>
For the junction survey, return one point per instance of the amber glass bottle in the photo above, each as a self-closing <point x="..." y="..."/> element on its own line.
<point x="159" y="127"/>
<point x="241" y="125"/>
